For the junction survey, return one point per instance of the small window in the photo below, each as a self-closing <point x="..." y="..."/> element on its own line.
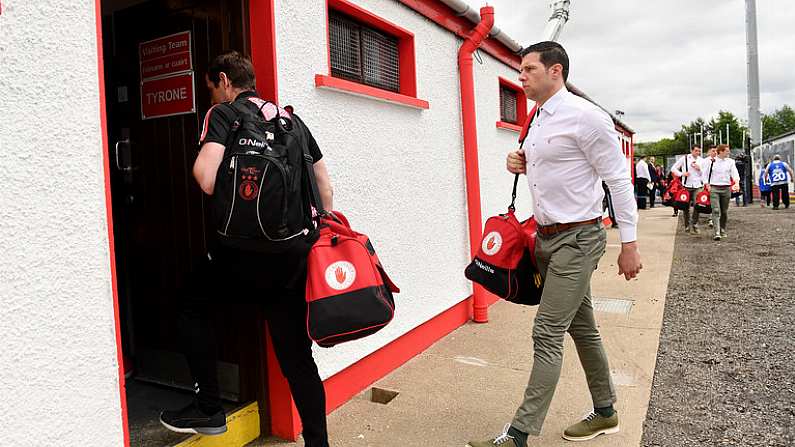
<point x="508" y="102"/>
<point x="363" y="54"/>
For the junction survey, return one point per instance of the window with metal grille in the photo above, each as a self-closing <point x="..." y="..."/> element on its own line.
<point x="508" y="102"/>
<point x="363" y="54"/>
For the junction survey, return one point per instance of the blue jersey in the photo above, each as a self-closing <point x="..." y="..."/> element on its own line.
<point x="777" y="171"/>
<point x="764" y="185"/>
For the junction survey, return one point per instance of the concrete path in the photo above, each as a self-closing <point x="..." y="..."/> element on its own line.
<point x="468" y="385"/>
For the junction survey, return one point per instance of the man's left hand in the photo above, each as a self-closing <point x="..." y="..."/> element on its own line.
<point x="629" y="263"/>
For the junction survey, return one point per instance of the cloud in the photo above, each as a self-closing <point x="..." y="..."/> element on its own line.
<point x="666" y="63"/>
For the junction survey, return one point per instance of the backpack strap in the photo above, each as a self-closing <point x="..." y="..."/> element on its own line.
<point x="309" y="167"/>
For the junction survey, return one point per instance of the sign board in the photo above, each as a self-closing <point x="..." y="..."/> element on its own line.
<point x="167" y="96"/>
<point x="165" y="55"/>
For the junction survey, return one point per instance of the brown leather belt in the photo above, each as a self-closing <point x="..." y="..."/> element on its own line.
<point x="551" y="230"/>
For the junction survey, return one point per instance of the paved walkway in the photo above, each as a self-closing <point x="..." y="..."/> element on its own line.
<point x="469" y="384"/>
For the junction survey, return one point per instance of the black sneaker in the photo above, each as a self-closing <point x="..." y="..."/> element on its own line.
<point x="191" y="419"/>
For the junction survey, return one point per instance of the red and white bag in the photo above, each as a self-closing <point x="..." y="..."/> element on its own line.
<point x="348" y="293"/>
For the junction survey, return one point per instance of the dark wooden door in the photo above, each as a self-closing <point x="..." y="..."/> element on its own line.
<point x="159" y="213"/>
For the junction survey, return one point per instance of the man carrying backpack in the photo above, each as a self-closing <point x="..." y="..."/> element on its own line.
<point x="258" y="164"/>
<point x="776" y="174"/>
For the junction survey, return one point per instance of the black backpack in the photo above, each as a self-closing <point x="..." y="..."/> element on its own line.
<point x="261" y="199"/>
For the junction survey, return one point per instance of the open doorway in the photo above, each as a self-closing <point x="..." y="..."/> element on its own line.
<point x="155" y="55"/>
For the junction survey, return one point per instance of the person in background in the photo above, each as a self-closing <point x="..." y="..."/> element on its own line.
<point x="740" y="194"/>
<point x="689" y="169"/>
<point x="642" y="180"/>
<point x="668" y="182"/>
<point x="776" y="174"/>
<point x="764" y="186"/>
<point x="654" y="180"/>
<point x="723" y="178"/>
<point x="711" y="154"/>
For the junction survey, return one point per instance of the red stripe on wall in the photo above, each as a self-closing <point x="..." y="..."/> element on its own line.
<point x="109" y="216"/>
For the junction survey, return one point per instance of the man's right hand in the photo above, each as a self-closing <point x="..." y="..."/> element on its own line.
<point x="685" y="174"/>
<point x="517" y="164"/>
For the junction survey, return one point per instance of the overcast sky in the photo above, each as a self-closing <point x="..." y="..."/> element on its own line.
<point x="665" y="62"/>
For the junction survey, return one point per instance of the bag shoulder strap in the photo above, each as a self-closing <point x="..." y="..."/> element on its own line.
<point x="309" y="167"/>
<point x="522" y="136"/>
<point x="709" y="177"/>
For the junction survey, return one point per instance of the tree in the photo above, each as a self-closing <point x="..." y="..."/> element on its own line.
<point x="779" y="122"/>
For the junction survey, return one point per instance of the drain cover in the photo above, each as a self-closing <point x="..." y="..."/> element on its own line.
<point x="612" y="305"/>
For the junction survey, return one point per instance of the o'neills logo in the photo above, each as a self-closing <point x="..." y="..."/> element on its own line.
<point x="483" y="266"/>
<point x="340" y="275"/>
<point x="492" y="243"/>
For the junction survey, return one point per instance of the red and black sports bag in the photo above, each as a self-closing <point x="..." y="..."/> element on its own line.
<point x="348" y="293"/>
<point x="505" y="264"/>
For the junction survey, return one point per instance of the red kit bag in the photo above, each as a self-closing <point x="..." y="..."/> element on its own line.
<point x="348" y="293"/>
<point x="703" y="204"/>
<point x="682" y="199"/>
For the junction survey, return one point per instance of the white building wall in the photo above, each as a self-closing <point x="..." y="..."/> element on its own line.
<point x="58" y="368"/>
<point x="398" y="172"/>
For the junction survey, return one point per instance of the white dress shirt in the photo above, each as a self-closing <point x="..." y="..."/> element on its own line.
<point x="693" y="180"/>
<point x="723" y="171"/>
<point x="642" y="170"/>
<point x="571" y="147"/>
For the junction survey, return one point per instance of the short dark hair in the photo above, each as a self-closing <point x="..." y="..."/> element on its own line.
<point x="550" y="53"/>
<point x="237" y="67"/>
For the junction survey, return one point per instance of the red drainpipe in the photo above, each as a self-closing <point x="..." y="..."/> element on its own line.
<point x="471" y="43"/>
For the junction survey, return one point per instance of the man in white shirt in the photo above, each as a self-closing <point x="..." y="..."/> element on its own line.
<point x="571" y="147"/>
<point x="642" y="179"/>
<point x="688" y="168"/>
<point x="718" y="175"/>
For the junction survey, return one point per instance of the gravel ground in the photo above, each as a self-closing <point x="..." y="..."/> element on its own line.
<point x="725" y="372"/>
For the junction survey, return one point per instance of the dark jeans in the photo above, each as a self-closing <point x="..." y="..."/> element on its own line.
<point x="641" y="184"/>
<point x="766" y="196"/>
<point x="780" y="193"/>
<point x="276" y="283"/>
<point x="653" y="194"/>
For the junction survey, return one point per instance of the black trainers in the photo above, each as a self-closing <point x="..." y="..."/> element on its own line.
<point x="191" y="419"/>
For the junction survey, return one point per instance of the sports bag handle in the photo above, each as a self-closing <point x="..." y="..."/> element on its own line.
<point x="522" y="137"/>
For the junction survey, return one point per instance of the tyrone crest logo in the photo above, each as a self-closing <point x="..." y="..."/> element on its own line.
<point x="340" y="275"/>
<point x="492" y="243"/>
<point x="248" y="190"/>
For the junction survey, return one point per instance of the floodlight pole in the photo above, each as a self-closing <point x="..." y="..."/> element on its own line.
<point x="752" y="51"/>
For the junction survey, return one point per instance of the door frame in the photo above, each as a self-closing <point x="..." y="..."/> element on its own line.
<point x="262" y="45"/>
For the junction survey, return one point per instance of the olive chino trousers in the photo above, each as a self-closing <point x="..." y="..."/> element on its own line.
<point x="567" y="261"/>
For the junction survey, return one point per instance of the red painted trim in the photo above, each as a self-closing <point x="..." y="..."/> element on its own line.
<point x="324" y="81"/>
<point x="357" y="377"/>
<point x="445" y="17"/>
<point x="509" y="126"/>
<point x="406" y="53"/>
<point x="262" y="29"/>
<point x="285" y="421"/>
<point x="103" y="119"/>
<point x="469" y="127"/>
